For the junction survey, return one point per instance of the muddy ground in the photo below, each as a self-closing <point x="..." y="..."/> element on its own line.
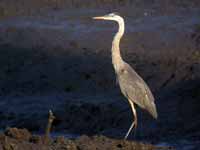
<point x="54" y="56"/>
<point x="19" y="139"/>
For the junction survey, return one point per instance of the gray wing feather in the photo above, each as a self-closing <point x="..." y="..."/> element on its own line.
<point x="135" y="89"/>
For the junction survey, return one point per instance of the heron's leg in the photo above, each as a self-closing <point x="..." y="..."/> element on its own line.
<point x="134" y="123"/>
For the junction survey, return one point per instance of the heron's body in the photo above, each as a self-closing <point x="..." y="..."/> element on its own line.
<point x="136" y="90"/>
<point x="131" y="84"/>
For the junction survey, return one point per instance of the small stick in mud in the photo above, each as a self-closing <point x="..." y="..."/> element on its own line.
<point x="48" y="128"/>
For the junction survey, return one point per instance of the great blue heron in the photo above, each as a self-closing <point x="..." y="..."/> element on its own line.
<point x="131" y="84"/>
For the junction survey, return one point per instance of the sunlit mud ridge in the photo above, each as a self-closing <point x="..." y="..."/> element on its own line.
<point x="18" y="139"/>
<point x="22" y="139"/>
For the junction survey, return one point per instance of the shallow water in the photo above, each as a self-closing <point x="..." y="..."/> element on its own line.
<point x="181" y="144"/>
<point x="56" y="134"/>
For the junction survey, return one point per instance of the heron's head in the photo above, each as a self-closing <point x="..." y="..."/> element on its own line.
<point x="111" y="16"/>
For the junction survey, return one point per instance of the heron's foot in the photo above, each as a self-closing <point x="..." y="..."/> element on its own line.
<point x="134" y="124"/>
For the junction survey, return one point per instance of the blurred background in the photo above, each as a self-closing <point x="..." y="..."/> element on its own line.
<point x="54" y="56"/>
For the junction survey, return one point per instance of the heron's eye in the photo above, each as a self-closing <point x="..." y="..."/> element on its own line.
<point x="122" y="71"/>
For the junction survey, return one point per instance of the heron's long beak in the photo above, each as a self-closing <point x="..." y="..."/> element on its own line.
<point x="99" y="18"/>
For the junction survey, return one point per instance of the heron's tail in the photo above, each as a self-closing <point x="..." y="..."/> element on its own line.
<point x="152" y="110"/>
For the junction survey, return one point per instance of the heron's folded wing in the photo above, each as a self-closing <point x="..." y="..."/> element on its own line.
<point x="136" y="90"/>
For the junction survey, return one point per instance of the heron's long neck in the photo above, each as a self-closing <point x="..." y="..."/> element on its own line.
<point x="116" y="56"/>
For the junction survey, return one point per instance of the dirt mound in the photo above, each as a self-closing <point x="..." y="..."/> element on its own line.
<point x="20" y="134"/>
<point x="22" y="139"/>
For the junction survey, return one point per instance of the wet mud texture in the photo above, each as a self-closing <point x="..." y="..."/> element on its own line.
<point x="22" y="139"/>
